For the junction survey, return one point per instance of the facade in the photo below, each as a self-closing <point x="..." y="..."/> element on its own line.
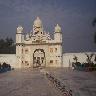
<point x="37" y="48"/>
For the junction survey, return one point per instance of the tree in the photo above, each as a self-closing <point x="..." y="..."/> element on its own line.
<point x="9" y="42"/>
<point x="95" y="58"/>
<point x="94" y="24"/>
<point x="75" y="58"/>
<point x="89" y="57"/>
<point x="7" y="46"/>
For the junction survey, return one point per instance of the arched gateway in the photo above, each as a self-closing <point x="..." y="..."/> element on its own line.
<point x="39" y="58"/>
<point x="31" y="47"/>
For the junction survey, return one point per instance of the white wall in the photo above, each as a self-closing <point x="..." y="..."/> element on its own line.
<point x="9" y="59"/>
<point x="68" y="58"/>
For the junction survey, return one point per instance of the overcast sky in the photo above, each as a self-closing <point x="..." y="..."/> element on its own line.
<point x="74" y="16"/>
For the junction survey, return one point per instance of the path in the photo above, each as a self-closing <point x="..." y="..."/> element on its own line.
<point x="82" y="83"/>
<point x="25" y="83"/>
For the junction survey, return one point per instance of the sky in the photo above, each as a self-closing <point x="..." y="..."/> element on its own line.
<point x="74" y="16"/>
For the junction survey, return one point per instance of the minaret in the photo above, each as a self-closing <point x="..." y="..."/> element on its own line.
<point x="58" y="34"/>
<point x="58" y="41"/>
<point x="19" y="34"/>
<point x="19" y="45"/>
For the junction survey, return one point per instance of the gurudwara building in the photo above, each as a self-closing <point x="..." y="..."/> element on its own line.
<point x="37" y="48"/>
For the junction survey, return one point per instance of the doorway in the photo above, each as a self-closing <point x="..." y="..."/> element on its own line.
<point x="39" y="58"/>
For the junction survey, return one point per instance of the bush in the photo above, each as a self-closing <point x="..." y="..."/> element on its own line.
<point x="5" y="67"/>
<point x="84" y="66"/>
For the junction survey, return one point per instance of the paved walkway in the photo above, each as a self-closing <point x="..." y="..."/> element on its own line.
<point x="82" y="83"/>
<point x="25" y="83"/>
<point x="33" y="82"/>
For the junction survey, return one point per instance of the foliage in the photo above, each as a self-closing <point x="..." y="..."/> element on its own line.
<point x="95" y="58"/>
<point x="89" y="57"/>
<point x="94" y="25"/>
<point x="95" y="37"/>
<point x="5" y="67"/>
<point x="89" y="66"/>
<point x="75" y="58"/>
<point x="7" y="46"/>
<point x="94" y="22"/>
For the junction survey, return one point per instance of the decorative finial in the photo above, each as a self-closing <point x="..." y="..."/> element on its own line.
<point x="38" y="17"/>
<point x="19" y="29"/>
<point x="57" y="28"/>
<point x="38" y="22"/>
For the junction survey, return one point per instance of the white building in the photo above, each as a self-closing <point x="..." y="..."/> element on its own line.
<point x="37" y="48"/>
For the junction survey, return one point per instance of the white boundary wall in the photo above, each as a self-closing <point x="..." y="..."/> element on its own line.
<point x="9" y="59"/>
<point x="68" y="58"/>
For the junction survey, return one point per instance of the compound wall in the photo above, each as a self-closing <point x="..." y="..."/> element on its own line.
<point x="67" y="58"/>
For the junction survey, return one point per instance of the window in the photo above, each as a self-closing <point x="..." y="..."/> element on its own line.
<point x="26" y="63"/>
<point x="51" y="61"/>
<point x="26" y="51"/>
<point x="51" y="50"/>
<point x="55" y="49"/>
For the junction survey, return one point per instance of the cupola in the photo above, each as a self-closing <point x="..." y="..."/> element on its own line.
<point x="37" y="22"/>
<point x="57" y="28"/>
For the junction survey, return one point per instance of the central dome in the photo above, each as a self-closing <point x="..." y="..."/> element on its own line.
<point x="38" y="22"/>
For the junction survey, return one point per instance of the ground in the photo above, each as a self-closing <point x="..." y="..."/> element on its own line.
<point x="25" y="83"/>
<point x="28" y="82"/>
<point x="82" y="83"/>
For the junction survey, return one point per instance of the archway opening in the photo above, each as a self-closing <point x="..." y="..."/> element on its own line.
<point x="39" y="58"/>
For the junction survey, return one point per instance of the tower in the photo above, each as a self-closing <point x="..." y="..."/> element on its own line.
<point x="58" y="34"/>
<point x="58" y="41"/>
<point x="19" y="45"/>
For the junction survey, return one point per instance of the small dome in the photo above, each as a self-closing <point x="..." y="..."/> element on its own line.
<point x="38" y="22"/>
<point x="57" y="28"/>
<point x="19" y="29"/>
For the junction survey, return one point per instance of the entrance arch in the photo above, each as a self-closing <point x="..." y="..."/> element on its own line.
<point x="39" y="58"/>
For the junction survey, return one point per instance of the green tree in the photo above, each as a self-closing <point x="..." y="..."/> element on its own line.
<point x="89" y="57"/>
<point x="94" y="22"/>
<point x="7" y="46"/>
<point x="75" y="58"/>
<point x="2" y="43"/>
<point x="9" y="41"/>
<point x="94" y="25"/>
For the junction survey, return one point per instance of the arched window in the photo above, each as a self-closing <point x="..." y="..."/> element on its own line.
<point x="55" y="49"/>
<point x="51" y="61"/>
